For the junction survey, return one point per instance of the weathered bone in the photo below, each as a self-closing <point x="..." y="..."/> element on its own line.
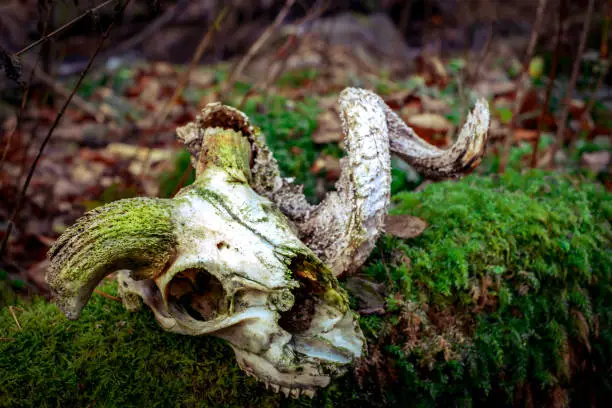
<point x="343" y="229"/>
<point x="106" y="239"/>
<point x="220" y="258"/>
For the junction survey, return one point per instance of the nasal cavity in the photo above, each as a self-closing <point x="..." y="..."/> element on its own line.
<point x="199" y="293"/>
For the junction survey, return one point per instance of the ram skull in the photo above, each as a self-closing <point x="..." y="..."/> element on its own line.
<point x="240" y="254"/>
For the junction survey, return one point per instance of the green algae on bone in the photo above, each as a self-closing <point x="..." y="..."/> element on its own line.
<point x="135" y="233"/>
<point x="228" y="150"/>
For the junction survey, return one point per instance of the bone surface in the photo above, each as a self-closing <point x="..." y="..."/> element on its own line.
<point x="242" y="255"/>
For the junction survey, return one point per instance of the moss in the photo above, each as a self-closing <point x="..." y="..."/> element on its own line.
<point x="227" y="150"/>
<point x="136" y="233"/>
<point x="505" y="299"/>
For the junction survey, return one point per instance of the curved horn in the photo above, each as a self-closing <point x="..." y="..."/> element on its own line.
<point x="343" y="229"/>
<point x="136" y="233"/>
<point x="462" y="157"/>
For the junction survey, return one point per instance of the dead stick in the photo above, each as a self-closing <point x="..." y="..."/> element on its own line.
<point x="237" y="70"/>
<point x="77" y="100"/>
<point x="62" y="28"/>
<point x="24" y="98"/>
<point x="6" y="339"/>
<point x="14" y="317"/>
<point x="603" y="58"/>
<point x="567" y="100"/>
<point x="535" y="34"/>
<point x="106" y="295"/>
<point x="551" y="77"/>
<point x="206" y="40"/>
<point x="58" y="118"/>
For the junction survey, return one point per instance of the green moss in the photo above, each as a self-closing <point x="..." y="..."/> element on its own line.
<point x="506" y="298"/>
<point x="506" y="295"/>
<point x="135" y="233"/>
<point x="227" y="150"/>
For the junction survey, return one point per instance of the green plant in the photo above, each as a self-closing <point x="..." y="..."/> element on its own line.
<point x="505" y="299"/>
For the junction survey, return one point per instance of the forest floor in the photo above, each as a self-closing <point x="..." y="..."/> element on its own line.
<point x="116" y="139"/>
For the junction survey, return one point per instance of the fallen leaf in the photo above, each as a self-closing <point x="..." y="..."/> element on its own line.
<point x="432" y="127"/>
<point x="369" y="294"/>
<point x="329" y="129"/>
<point x="524" y="134"/>
<point x="431" y="121"/>
<point x="329" y="164"/>
<point x="596" y="161"/>
<point x="404" y="226"/>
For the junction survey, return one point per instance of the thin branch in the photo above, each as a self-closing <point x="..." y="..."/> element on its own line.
<point x="77" y="100"/>
<point x="562" y="15"/>
<point x="571" y="85"/>
<point x="57" y="120"/>
<point x="603" y="57"/>
<point x="69" y="24"/>
<point x="12" y="310"/>
<point x="163" y="113"/>
<point x="522" y="78"/>
<point x="238" y="68"/>
<point x="24" y="97"/>
<point x="154" y="27"/>
<point x="106" y="295"/>
<point x="288" y="49"/>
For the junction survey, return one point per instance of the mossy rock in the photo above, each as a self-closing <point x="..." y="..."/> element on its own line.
<point x="505" y="299"/>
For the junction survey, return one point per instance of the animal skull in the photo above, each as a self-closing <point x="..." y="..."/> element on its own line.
<point x="241" y="255"/>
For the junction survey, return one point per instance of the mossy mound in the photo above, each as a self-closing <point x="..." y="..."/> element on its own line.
<point x="505" y="299"/>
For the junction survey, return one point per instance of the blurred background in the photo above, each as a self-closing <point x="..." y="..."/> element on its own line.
<point x="92" y="91"/>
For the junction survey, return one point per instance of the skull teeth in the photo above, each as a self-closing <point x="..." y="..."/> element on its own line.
<point x="288" y="391"/>
<point x="309" y="393"/>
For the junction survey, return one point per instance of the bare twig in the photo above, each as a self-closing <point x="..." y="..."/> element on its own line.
<point x="163" y="113"/>
<point x="6" y="339"/>
<point x="238" y="68"/>
<point x="551" y="78"/>
<point x="603" y="57"/>
<point x="77" y="100"/>
<point x="106" y="295"/>
<point x="567" y="100"/>
<point x="69" y="24"/>
<point x="522" y="78"/>
<point x="58" y="118"/>
<point x="471" y="75"/>
<point x="24" y="100"/>
<point x="24" y="97"/>
<point x="12" y="310"/>
<point x="285" y="51"/>
<point x="152" y="28"/>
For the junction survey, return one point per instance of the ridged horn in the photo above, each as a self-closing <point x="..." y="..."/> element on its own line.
<point x="135" y="233"/>
<point x="343" y="229"/>
<point x="461" y="158"/>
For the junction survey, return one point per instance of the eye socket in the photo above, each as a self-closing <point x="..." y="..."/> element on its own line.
<point x="199" y="293"/>
<point x="298" y="318"/>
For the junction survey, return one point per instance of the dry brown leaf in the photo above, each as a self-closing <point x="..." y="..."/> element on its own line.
<point x="369" y="294"/>
<point x="329" y="129"/>
<point x="404" y="226"/>
<point x="431" y="121"/>
<point x="329" y="164"/>
<point x="432" y="127"/>
<point x="524" y="134"/>
<point x="596" y="161"/>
